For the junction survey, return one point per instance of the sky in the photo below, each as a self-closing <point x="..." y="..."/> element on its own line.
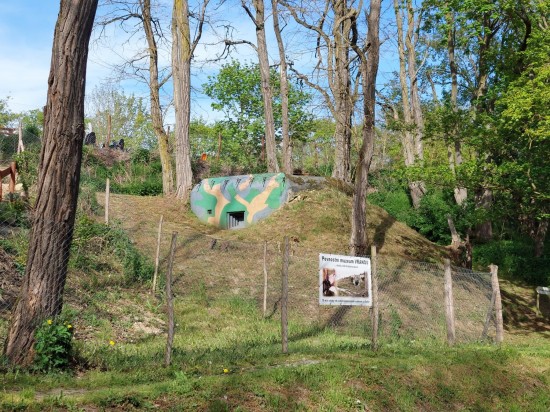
<point x="26" y="35"/>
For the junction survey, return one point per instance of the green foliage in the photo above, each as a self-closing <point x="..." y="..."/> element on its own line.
<point x="141" y="156"/>
<point x="129" y="117"/>
<point x="14" y="213"/>
<point x="27" y="165"/>
<point x="396" y="202"/>
<point x="430" y="219"/>
<point x="140" y="176"/>
<point x="92" y="240"/>
<point x="515" y="260"/>
<point x="236" y="91"/>
<point x="53" y="345"/>
<point x="6" y="116"/>
<point x="314" y="154"/>
<point x="150" y="186"/>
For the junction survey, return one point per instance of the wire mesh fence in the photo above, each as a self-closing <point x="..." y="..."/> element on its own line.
<point x="108" y="286"/>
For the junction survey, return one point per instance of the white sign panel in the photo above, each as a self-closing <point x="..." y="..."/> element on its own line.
<point x="344" y="280"/>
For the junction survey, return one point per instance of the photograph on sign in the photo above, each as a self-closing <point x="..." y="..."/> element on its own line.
<point x="344" y="280"/>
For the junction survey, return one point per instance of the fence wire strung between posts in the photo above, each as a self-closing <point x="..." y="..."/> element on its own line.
<point x="210" y="272"/>
<point x="46" y="297"/>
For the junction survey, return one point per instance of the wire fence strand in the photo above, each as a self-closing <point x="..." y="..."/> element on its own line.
<point x="209" y="269"/>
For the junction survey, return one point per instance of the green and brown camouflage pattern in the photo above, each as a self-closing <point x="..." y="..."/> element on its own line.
<point x="257" y="195"/>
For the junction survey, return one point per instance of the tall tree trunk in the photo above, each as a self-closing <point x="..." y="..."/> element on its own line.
<point x="287" y="144"/>
<point x="455" y="153"/>
<point x="369" y="71"/>
<point x="342" y="89"/>
<point x="538" y="235"/>
<point x="332" y="51"/>
<point x="412" y="115"/>
<point x="484" y="200"/>
<point x="267" y="94"/>
<point x="154" y="95"/>
<point x="41" y="294"/>
<point x="181" y="75"/>
<point x="483" y="195"/>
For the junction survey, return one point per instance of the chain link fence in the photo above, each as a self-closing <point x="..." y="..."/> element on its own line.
<point x="108" y="287"/>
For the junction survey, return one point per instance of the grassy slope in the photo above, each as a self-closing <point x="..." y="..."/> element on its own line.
<point x="325" y="370"/>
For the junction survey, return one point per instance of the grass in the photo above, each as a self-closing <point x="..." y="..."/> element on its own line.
<point x="227" y="356"/>
<point x="324" y="370"/>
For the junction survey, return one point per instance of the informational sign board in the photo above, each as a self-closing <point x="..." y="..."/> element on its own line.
<point x="344" y="280"/>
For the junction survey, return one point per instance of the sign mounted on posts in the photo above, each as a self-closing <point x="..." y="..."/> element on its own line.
<point x="344" y="280"/>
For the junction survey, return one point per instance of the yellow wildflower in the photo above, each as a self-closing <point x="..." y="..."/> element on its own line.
<point x="49" y="322"/>
<point x="69" y="326"/>
<point x="112" y="342"/>
<point x="226" y="370"/>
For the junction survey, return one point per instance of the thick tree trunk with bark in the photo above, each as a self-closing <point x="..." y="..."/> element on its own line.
<point x="483" y="195"/>
<point x="539" y="235"/>
<point x="484" y="200"/>
<point x="287" y="144"/>
<point x="412" y="113"/>
<point x="41" y="294"/>
<point x="342" y="89"/>
<point x="455" y="152"/>
<point x="181" y="75"/>
<point x="369" y="71"/>
<point x="154" y="95"/>
<point x="267" y="94"/>
<point x="332" y="26"/>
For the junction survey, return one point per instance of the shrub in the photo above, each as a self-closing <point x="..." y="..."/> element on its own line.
<point x="514" y="258"/>
<point x="142" y="156"/>
<point x="27" y="165"/>
<point x="53" y="345"/>
<point x="14" y="213"/>
<point x="396" y="202"/>
<point x="92" y="238"/>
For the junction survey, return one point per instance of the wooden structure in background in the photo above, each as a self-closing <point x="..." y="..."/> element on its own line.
<point x="11" y="172"/>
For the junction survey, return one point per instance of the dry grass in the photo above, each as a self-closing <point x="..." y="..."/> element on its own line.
<point x="318" y="220"/>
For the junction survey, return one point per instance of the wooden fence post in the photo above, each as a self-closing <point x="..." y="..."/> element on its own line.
<point x="157" y="256"/>
<point x="107" y="195"/>
<point x="20" y="145"/>
<point x="498" y="304"/>
<point x="284" y="299"/>
<point x="265" y="278"/>
<point x="108" y="142"/>
<point x="488" y="317"/>
<point x="169" y="302"/>
<point x="374" y="312"/>
<point x="449" y="305"/>
<point x="13" y="173"/>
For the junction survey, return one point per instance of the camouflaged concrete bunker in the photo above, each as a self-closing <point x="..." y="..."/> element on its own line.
<point x="238" y="201"/>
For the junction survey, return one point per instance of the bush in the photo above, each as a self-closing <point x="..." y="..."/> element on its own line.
<point x="396" y="203"/>
<point x="141" y="176"/>
<point x="53" y="345"/>
<point x="27" y="165"/>
<point x="92" y="238"/>
<point x="14" y="213"/>
<point x="150" y="187"/>
<point x="141" y="156"/>
<point x="514" y="258"/>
